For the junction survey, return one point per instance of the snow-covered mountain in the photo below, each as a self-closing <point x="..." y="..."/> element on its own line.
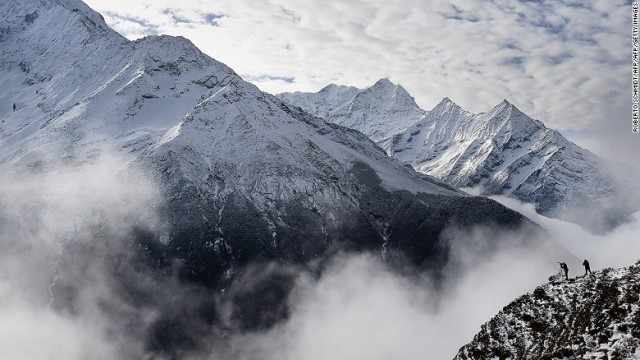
<point x="245" y="179"/>
<point x="245" y="175"/>
<point x="590" y="317"/>
<point x="500" y="152"/>
<point x="379" y="111"/>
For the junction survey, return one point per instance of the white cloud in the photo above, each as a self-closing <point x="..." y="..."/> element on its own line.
<point x="359" y="309"/>
<point x="617" y="248"/>
<point x="64" y="309"/>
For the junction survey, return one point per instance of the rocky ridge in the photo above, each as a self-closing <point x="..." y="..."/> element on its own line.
<point x="589" y="317"/>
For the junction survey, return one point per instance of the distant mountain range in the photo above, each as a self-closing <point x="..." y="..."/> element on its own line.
<point x="379" y="111"/>
<point x="591" y="317"/>
<point x="500" y="152"/>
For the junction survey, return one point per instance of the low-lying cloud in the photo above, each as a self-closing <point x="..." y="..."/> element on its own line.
<point x="71" y="288"/>
<point x="616" y="248"/>
<point x="360" y="309"/>
<point x="44" y="212"/>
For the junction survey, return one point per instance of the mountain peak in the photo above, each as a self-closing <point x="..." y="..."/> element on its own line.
<point x="505" y="108"/>
<point x="94" y="18"/>
<point x="168" y="43"/>
<point x="395" y="91"/>
<point x="332" y="88"/>
<point x="447" y="101"/>
<point x="502" y="105"/>
<point x="378" y="111"/>
<point x="384" y="82"/>
<point x="445" y="105"/>
<point x="176" y="50"/>
<point x="329" y="87"/>
<point x="70" y="21"/>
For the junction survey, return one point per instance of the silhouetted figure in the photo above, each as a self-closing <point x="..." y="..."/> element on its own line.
<point x="587" y="268"/>
<point x="14" y="106"/>
<point x="564" y="268"/>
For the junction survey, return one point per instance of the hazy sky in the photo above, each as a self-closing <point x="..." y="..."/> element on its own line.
<point x="564" y="62"/>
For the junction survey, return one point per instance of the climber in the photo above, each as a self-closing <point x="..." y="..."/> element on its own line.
<point x="587" y="268"/>
<point x="564" y="268"/>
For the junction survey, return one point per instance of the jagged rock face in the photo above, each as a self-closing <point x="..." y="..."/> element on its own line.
<point x="503" y="152"/>
<point x="591" y="317"/>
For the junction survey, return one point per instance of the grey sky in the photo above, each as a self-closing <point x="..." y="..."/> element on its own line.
<point x="564" y="62"/>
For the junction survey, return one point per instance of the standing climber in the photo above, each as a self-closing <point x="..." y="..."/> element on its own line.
<point x="564" y="268"/>
<point x="587" y="268"/>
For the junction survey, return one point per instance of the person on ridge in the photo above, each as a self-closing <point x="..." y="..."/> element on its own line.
<point x="587" y="268"/>
<point x="564" y="268"/>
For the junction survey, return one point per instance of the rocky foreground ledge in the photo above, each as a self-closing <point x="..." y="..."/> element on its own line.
<point x="591" y="317"/>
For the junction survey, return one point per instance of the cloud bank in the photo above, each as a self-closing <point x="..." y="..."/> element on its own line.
<point x="359" y="309"/>
<point x="619" y="247"/>
<point x="56" y="301"/>
<point x="73" y="284"/>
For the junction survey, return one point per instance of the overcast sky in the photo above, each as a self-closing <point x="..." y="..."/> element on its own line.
<point x="565" y="62"/>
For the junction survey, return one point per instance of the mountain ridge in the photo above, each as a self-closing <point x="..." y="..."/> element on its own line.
<point x="502" y="152"/>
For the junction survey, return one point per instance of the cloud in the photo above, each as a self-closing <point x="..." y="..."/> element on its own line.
<point x="177" y="16"/>
<point x="264" y="78"/>
<point x="31" y="333"/>
<point x="213" y="19"/>
<point x="59" y="228"/>
<point x="616" y="248"/>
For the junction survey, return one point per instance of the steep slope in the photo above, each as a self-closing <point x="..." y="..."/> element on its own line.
<point x="245" y="176"/>
<point x="591" y="317"/>
<point x="379" y="111"/>
<point x="500" y="152"/>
